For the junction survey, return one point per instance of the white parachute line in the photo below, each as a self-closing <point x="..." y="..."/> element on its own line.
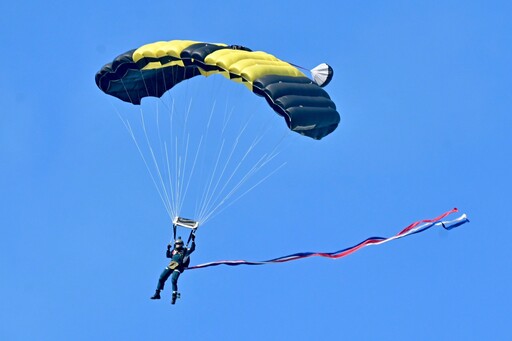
<point x="181" y="151"/>
<point x="171" y="203"/>
<point x="247" y="152"/>
<point x="217" y="210"/>
<point x="173" y="185"/>
<point x="165" y="156"/>
<point x="201" y="203"/>
<point x="173" y="199"/>
<point x="208" y="123"/>
<point x="163" y="194"/>
<point x="163" y="147"/>
<point x="211" y="115"/>
<point x="193" y="167"/>
<point x="206" y="195"/>
<point x="187" y="115"/>
<point x="128" y="127"/>
<point x="183" y="187"/>
<point x="155" y="162"/>
<point x="126" y="90"/>
<point x="174" y="192"/>
<point x="130" y="131"/>
<point x="211" y="193"/>
<point x="183" y="174"/>
<point x="178" y="164"/>
<point x="265" y="159"/>
<point x="226" y="164"/>
<point x="165" y="160"/>
<point x="227" y="119"/>
<point x="176" y="171"/>
<point x="256" y="167"/>
<point x="206" y="202"/>
<point x="171" y="188"/>
<point x="198" y="153"/>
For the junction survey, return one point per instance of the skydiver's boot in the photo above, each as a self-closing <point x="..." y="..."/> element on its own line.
<point x="175" y="296"/>
<point x="156" y="296"/>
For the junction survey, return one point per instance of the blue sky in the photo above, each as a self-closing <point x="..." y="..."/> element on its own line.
<point x="424" y="95"/>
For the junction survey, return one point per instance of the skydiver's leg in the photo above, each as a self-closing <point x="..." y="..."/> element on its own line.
<point x="161" y="283"/>
<point x="163" y="277"/>
<point x="174" y="280"/>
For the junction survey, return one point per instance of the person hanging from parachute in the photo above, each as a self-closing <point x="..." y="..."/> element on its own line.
<point x="180" y="259"/>
<point x="154" y="69"/>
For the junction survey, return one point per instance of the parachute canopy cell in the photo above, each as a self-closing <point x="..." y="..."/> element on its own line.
<point x="153" y="69"/>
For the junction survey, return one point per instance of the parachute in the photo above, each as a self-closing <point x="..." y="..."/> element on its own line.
<point x="153" y="69"/>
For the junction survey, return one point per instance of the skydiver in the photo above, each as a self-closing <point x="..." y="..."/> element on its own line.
<point x="180" y="258"/>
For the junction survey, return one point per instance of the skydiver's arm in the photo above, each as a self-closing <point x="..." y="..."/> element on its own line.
<point x="168" y="254"/>
<point x="192" y="248"/>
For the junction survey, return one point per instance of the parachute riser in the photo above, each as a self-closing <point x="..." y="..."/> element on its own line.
<point x="186" y="223"/>
<point x="192" y="233"/>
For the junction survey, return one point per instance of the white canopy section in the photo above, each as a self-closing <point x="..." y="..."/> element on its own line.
<point x="322" y="74"/>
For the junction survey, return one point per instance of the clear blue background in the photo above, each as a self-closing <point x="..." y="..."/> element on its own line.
<point x="424" y="91"/>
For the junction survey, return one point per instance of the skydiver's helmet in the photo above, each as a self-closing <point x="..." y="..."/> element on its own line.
<point x="178" y="243"/>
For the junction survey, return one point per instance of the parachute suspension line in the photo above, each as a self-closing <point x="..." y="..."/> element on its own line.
<point x="127" y="92"/>
<point x="165" y="156"/>
<point x="265" y="159"/>
<point x="206" y="134"/>
<point x="163" y="146"/>
<point x="227" y="118"/>
<point x="180" y="143"/>
<point x="173" y="176"/>
<point x="234" y="147"/>
<point x="206" y="193"/>
<point x="128" y="127"/>
<point x="219" y="209"/>
<point x="170" y="172"/>
<point x="217" y="203"/>
<point x="164" y="193"/>
<point x="162" y="190"/>
<point x="226" y="164"/>
<point x="255" y="168"/>
<point x="193" y="166"/>
<point x="210" y="193"/>
<point x="171" y="188"/>
<point x="179" y="189"/>
<point x="177" y="176"/>
<point x="183" y="166"/>
<point x="176" y="170"/>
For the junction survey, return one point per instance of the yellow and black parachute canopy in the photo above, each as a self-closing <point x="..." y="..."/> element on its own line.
<point x="153" y="69"/>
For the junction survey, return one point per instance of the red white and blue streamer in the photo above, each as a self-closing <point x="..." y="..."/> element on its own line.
<point x="416" y="227"/>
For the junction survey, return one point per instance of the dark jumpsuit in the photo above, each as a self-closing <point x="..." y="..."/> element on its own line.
<point x="180" y="257"/>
